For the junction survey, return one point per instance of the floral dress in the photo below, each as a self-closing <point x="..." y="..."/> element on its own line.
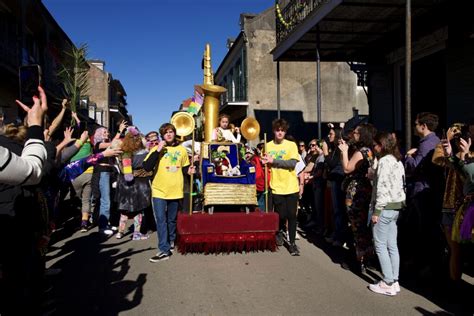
<point x="358" y="190"/>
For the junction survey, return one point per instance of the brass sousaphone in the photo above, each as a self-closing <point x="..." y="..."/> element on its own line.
<point x="250" y="128"/>
<point x="184" y="123"/>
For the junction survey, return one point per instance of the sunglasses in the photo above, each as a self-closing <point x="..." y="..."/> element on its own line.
<point x="312" y="145"/>
<point x="153" y="142"/>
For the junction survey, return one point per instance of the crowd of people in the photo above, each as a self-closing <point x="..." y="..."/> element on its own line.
<point x="358" y="188"/>
<point x="409" y="210"/>
<point x="41" y="167"/>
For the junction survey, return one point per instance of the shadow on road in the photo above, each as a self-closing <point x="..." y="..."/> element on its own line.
<point x="93" y="278"/>
<point x="454" y="299"/>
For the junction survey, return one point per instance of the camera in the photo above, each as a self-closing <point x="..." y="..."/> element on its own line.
<point x="461" y="131"/>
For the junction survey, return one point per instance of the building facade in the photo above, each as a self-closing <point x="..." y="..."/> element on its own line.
<point x="106" y="102"/>
<point x="250" y="76"/>
<point x="29" y="35"/>
<point x="440" y="50"/>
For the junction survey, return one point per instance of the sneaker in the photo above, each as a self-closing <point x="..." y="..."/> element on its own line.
<point x="162" y="256"/>
<point x="279" y="238"/>
<point x="107" y="232"/>
<point x="84" y="226"/>
<point x="51" y="272"/>
<point x="139" y="236"/>
<point x="294" y="250"/>
<point x="172" y="246"/>
<point x="383" y="288"/>
<point x="329" y="240"/>
<point x="114" y="228"/>
<point x="119" y="235"/>
<point x="396" y="286"/>
<point x="297" y="236"/>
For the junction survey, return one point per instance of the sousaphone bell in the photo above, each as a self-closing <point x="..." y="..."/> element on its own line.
<point x="250" y="128"/>
<point x="183" y="122"/>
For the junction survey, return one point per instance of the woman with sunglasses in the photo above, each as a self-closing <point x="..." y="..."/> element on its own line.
<point x="315" y="168"/>
<point x="358" y="188"/>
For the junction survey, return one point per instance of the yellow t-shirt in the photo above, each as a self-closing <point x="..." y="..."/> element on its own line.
<point x="283" y="181"/>
<point x="168" y="181"/>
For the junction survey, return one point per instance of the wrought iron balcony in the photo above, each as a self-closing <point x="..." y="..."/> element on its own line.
<point x="292" y="15"/>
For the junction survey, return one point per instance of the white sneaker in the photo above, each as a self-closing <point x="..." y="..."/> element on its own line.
<point x="107" y="232"/>
<point x="396" y="286"/>
<point x="297" y="236"/>
<point x="383" y="288"/>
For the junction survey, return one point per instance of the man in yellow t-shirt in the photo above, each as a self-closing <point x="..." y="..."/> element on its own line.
<point x="171" y="160"/>
<point x="282" y="156"/>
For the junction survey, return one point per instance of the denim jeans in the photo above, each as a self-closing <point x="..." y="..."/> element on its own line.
<point x="104" y="209"/>
<point x="385" y="242"/>
<point x="165" y="216"/>
<point x="261" y="201"/>
<point x="339" y="209"/>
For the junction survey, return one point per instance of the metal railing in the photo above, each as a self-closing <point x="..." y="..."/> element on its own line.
<point x="292" y="15"/>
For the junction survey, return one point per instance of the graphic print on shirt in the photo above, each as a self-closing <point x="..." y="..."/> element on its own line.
<point x="173" y="160"/>
<point x="278" y="155"/>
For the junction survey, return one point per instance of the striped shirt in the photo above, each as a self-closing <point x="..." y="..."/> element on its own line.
<point x="27" y="169"/>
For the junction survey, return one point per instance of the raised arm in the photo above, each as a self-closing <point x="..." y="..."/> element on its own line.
<point x="57" y="120"/>
<point x="26" y="170"/>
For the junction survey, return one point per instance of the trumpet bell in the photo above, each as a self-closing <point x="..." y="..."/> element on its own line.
<point x="250" y="128"/>
<point x="184" y="123"/>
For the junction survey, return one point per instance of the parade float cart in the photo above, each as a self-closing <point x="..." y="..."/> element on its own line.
<point x="228" y="181"/>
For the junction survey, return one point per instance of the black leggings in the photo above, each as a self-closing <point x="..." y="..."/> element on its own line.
<point x="286" y="206"/>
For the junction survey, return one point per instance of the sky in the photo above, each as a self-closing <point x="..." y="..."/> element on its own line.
<point x="154" y="47"/>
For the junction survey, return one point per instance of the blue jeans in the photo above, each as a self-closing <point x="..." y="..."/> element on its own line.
<point x="339" y="209"/>
<point x="261" y="201"/>
<point x="165" y="216"/>
<point x="385" y="242"/>
<point x="104" y="209"/>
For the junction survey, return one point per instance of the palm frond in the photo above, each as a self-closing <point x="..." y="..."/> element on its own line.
<point x="73" y="74"/>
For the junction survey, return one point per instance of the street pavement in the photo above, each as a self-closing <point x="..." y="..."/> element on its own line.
<point x="112" y="277"/>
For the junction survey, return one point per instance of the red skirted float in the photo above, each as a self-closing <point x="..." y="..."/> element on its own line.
<point x="227" y="232"/>
<point x="227" y="180"/>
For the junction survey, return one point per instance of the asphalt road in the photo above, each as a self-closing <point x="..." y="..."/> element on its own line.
<point x="111" y="277"/>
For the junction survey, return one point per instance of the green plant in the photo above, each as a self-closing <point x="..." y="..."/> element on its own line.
<point x="72" y="75"/>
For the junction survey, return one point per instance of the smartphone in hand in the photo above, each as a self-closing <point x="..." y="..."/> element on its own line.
<point x="30" y="79"/>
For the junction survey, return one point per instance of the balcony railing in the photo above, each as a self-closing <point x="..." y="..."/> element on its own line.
<point x="293" y="14"/>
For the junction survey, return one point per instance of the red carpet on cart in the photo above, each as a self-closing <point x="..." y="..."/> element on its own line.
<point x="227" y="232"/>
